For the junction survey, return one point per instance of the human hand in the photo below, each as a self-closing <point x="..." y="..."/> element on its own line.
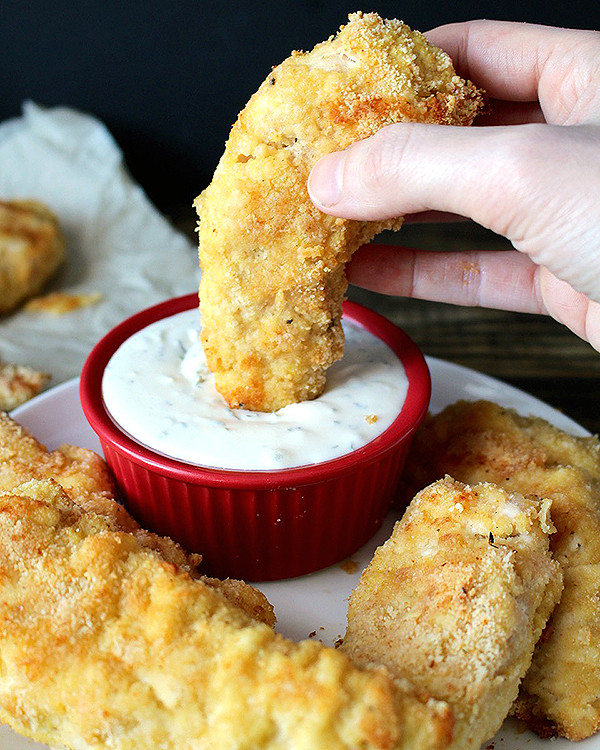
<point x="532" y="175"/>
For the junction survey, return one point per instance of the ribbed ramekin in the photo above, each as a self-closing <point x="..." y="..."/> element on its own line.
<point x="260" y="525"/>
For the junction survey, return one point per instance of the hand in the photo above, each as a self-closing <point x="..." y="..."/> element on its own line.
<point x="531" y="175"/>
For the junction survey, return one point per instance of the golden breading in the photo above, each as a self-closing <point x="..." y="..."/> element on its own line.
<point x="272" y="264"/>
<point x="32" y="247"/>
<point x="482" y="441"/>
<point x="82" y="473"/>
<point x="457" y="598"/>
<point x="105" y="644"/>
<point x="84" y="476"/>
<point x="19" y="383"/>
<point x="110" y="638"/>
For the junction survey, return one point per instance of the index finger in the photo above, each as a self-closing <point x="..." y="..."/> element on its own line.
<point x="512" y="61"/>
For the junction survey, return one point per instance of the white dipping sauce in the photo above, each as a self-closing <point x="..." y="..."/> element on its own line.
<point x="158" y="388"/>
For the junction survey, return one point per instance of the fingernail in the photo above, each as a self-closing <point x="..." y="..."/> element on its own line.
<point x="325" y="180"/>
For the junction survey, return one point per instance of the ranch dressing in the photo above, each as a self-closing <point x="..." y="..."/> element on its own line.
<point x="158" y="388"/>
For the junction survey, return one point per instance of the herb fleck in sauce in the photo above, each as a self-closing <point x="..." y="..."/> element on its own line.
<point x="158" y="388"/>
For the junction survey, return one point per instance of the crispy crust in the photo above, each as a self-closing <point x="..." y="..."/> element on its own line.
<point x="19" y="383"/>
<point x="272" y="264"/>
<point x="85" y="479"/>
<point x="110" y="638"/>
<point x="457" y="598"/>
<point x="32" y="247"/>
<point x="481" y="441"/>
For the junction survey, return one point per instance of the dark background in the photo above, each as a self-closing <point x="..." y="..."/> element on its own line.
<point x="169" y="77"/>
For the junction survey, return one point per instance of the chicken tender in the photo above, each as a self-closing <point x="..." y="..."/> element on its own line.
<point x="273" y="265"/>
<point x="105" y="644"/>
<point x="110" y="638"/>
<point x="482" y="441"/>
<point x="32" y="247"/>
<point x="82" y="473"/>
<point x="85" y="478"/>
<point x="457" y="599"/>
<point x="19" y="383"/>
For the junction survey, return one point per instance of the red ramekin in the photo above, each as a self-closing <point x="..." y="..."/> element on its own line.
<point x="260" y="525"/>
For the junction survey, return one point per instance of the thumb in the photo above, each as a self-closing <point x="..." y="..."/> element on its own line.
<point x="484" y="173"/>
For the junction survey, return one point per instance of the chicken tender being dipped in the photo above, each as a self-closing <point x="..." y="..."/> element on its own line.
<point x="273" y="276"/>
<point x="482" y="441"/>
<point x="457" y="599"/>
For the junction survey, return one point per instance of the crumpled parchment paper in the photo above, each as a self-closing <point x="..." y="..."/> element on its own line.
<point x="118" y="243"/>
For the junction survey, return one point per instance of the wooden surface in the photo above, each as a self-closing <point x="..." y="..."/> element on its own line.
<point x="531" y="352"/>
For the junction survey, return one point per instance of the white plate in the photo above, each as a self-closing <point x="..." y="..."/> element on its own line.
<point x="313" y="606"/>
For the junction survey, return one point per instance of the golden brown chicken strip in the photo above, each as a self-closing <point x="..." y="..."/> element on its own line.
<point x="272" y="264"/>
<point x="19" y="383"/>
<point x="106" y="644"/>
<point x="482" y="441"/>
<point x="457" y="599"/>
<point x="110" y="638"/>
<point x="86" y="479"/>
<point x="82" y="473"/>
<point x="32" y="247"/>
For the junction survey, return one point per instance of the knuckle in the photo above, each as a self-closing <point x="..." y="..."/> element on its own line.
<point x="522" y="148"/>
<point x="522" y="157"/>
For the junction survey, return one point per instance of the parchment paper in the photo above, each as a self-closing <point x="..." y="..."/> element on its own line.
<point x="118" y="243"/>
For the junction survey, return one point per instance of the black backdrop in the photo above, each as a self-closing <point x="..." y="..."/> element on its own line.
<point x="168" y="77"/>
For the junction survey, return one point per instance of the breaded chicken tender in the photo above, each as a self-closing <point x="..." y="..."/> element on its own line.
<point x="482" y="441"/>
<point x="32" y="247"/>
<point x="85" y="478"/>
<point x="273" y="265"/>
<point x="105" y="644"/>
<point x="457" y="598"/>
<point x="19" y="383"/>
<point x="110" y="639"/>
<point x="82" y="473"/>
